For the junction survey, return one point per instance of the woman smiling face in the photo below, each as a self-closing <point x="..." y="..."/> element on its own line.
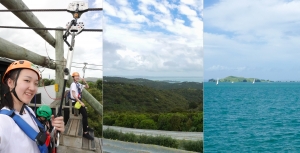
<point x="27" y="85"/>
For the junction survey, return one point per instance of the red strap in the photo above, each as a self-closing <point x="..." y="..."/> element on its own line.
<point x="47" y="140"/>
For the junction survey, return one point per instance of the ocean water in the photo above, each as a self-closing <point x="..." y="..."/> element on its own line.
<point x="246" y="117"/>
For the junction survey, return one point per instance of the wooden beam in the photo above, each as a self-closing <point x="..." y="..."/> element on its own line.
<point x="28" y="18"/>
<point x="13" y="51"/>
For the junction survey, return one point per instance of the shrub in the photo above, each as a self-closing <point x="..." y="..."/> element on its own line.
<point x="147" y="124"/>
<point x="111" y="134"/>
<point x="97" y="94"/>
<point x="127" y="137"/>
<point x="108" y="120"/>
<point x="193" y="145"/>
<point x="198" y="121"/>
<point x="156" y="140"/>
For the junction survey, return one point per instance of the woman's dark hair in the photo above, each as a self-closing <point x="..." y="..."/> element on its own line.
<point x="7" y="97"/>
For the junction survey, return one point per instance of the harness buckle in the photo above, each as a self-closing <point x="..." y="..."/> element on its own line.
<point x="40" y="139"/>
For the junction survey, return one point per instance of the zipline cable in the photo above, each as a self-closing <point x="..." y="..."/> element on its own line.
<point x="46" y="10"/>
<point x="59" y="29"/>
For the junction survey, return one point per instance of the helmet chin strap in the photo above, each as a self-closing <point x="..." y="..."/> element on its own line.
<point x="15" y="94"/>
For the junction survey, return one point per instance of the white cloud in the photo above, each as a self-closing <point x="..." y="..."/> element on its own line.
<point x="253" y="17"/>
<point x="122" y="2"/>
<point x="95" y="16"/>
<point x="152" y="40"/>
<point x="162" y="8"/>
<point x="109" y="9"/>
<point x="151" y="51"/>
<point x="98" y="3"/>
<point x="184" y="9"/>
<point x="189" y="2"/>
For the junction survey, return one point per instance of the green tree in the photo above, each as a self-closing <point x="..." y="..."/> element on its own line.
<point x="96" y="93"/>
<point x="91" y="85"/>
<point x="95" y="120"/>
<point x="47" y="82"/>
<point x="147" y="124"/>
<point x="99" y="84"/>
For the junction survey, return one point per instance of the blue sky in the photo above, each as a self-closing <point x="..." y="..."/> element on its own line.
<point x="153" y="38"/>
<point x="252" y="39"/>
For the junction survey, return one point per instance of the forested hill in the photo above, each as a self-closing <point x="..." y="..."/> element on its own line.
<point x="121" y="94"/>
<point x="239" y="79"/>
<point x="155" y="84"/>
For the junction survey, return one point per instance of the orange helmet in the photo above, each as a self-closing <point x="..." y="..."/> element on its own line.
<point x="21" y="64"/>
<point x="75" y="74"/>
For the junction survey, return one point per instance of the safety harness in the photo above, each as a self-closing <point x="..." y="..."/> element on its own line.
<point x="40" y="138"/>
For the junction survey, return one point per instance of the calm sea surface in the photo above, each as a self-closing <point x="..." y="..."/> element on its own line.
<point x="246" y="117"/>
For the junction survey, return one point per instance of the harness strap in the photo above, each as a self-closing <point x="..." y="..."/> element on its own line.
<point x="39" y="138"/>
<point x="40" y="125"/>
<point x="79" y="92"/>
<point x="26" y="128"/>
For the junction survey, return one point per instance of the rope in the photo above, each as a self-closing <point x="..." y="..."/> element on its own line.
<point x="48" y="93"/>
<point x="46" y="10"/>
<point x="59" y="29"/>
<point x="78" y="63"/>
<point x="87" y="68"/>
<point x="86" y="64"/>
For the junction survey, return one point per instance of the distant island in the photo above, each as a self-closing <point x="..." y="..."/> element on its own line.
<point x="239" y="79"/>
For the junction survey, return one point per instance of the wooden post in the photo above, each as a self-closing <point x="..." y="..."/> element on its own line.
<point x="59" y="56"/>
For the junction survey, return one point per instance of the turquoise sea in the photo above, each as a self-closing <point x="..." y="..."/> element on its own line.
<point x="246" y="117"/>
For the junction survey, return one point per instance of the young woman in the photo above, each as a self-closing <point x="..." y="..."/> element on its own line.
<point x="76" y="94"/>
<point x="21" y="79"/>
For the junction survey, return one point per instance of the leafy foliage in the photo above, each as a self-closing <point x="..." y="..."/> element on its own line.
<point x="94" y="119"/>
<point x="119" y="96"/>
<point x="192" y="145"/>
<point x="158" y="105"/>
<point x="46" y="82"/>
<point x="99" y="84"/>
<point x="185" y="121"/>
<point x="158" y="140"/>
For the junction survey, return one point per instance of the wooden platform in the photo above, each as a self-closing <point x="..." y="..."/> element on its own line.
<point x="73" y="141"/>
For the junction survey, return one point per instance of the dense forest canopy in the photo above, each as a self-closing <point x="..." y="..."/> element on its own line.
<point x="150" y="96"/>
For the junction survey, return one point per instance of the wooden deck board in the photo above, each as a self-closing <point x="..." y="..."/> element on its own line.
<point x="85" y="143"/>
<point x="79" y="133"/>
<point x="92" y="143"/>
<point x="67" y="127"/>
<point x="73" y="128"/>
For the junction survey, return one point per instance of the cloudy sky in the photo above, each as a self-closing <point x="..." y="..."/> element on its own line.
<point x="88" y="46"/>
<point x="153" y="38"/>
<point x="252" y="39"/>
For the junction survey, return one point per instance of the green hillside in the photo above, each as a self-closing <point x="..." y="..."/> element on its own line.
<point x="124" y="97"/>
<point x="155" y="84"/>
<point x="239" y="79"/>
<point x="157" y="105"/>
